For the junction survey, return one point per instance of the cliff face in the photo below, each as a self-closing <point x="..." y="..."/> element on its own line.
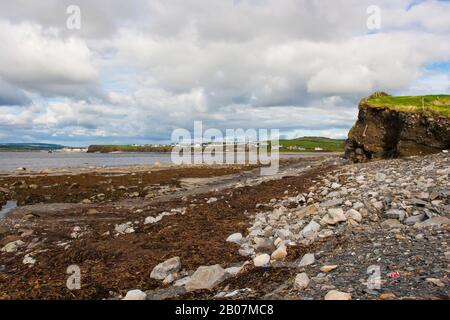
<point x="386" y="133"/>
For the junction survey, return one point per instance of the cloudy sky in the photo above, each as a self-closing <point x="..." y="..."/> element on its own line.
<point x="138" y="69"/>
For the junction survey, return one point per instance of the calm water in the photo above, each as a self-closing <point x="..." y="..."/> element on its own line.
<point x="9" y="161"/>
<point x="7" y="207"/>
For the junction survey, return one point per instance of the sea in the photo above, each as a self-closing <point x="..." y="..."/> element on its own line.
<point x="10" y="161"/>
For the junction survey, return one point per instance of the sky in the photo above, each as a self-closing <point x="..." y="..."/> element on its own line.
<point x="136" y="70"/>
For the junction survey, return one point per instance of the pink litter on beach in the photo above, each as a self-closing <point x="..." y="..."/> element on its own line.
<point x="394" y="275"/>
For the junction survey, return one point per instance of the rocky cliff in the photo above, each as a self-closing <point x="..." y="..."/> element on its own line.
<point x="391" y="127"/>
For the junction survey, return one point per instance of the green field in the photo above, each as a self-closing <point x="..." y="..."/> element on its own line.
<point x="429" y="105"/>
<point x="310" y="143"/>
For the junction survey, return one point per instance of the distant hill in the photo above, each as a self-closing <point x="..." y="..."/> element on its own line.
<point x="29" y="146"/>
<point x="127" y="148"/>
<point x="309" y="144"/>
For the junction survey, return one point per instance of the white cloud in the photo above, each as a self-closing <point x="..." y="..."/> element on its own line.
<point x="140" y="70"/>
<point x="38" y="59"/>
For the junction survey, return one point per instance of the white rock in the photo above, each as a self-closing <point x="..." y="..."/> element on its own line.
<point x="277" y="242"/>
<point x="279" y="254"/>
<point x="150" y="220"/>
<point x="205" y="277"/>
<point x="135" y="295"/>
<point x="13" y="246"/>
<point x="162" y="270"/>
<point x="129" y="230"/>
<point x="301" y="281"/>
<point x="311" y="228"/>
<point x="284" y="234"/>
<point x="28" y="259"/>
<point x="380" y="177"/>
<point x="211" y="200"/>
<point x="307" y="260"/>
<point x="353" y="214"/>
<point x="334" y="215"/>
<point x="233" y="271"/>
<point x="235" y="238"/>
<point x="378" y="205"/>
<point x="358" y="205"/>
<point x="261" y="260"/>
<point x="246" y="250"/>
<point x="331" y="203"/>
<point x="338" y="295"/>
<point x="123" y="228"/>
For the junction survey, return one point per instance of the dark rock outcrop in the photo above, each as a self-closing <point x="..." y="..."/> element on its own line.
<point x="387" y="133"/>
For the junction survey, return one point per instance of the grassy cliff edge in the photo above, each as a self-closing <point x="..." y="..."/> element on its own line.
<point x="429" y="105"/>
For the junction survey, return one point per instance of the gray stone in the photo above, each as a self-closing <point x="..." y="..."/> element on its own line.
<point x="354" y="215"/>
<point x="395" y="214"/>
<point x="419" y="203"/>
<point x="447" y="255"/>
<point x="310" y="229"/>
<point x="414" y="219"/>
<point x="391" y="224"/>
<point x="331" y="203"/>
<point x="284" y="234"/>
<point x="181" y="282"/>
<point x="162" y="270"/>
<point x="233" y="271"/>
<point x="246" y="250"/>
<point x="301" y="281"/>
<point x="205" y="277"/>
<point x="434" y="222"/>
<point x="235" y="238"/>
<point x="334" y="215"/>
<point x="263" y="244"/>
<point x="307" y="260"/>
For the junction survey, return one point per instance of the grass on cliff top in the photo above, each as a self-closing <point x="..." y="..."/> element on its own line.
<point x="429" y="105"/>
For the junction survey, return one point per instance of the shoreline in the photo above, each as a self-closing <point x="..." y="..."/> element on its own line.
<point x="117" y="228"/>
<point x="157" y="164"/>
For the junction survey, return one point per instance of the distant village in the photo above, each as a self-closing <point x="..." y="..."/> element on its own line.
<point x="217" y="145"/>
